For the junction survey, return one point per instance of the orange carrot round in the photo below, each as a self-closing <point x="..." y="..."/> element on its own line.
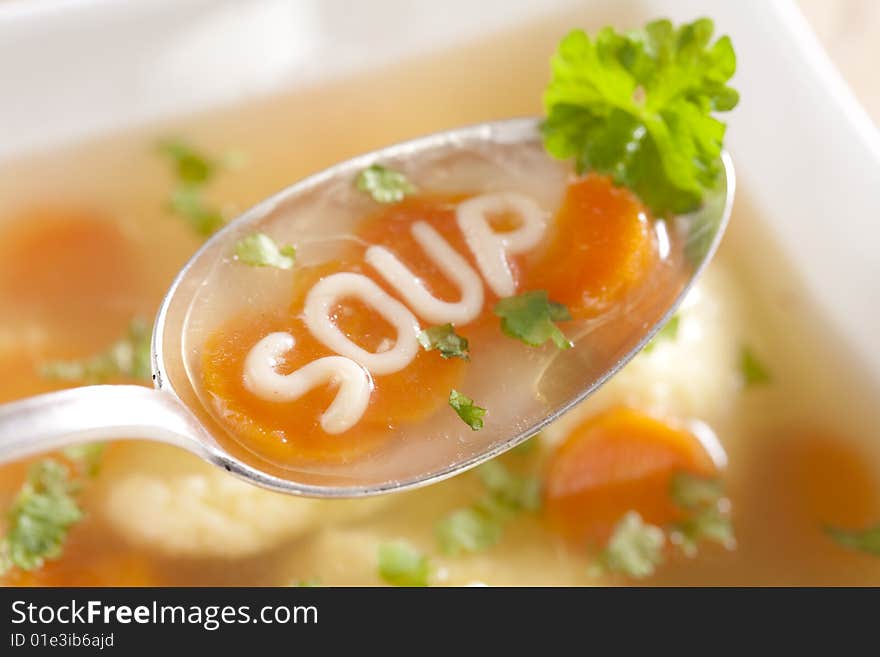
<point x="618" y="461"/>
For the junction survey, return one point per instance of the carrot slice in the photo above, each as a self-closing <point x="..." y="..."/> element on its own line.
<point x="602" y="248"/>
<point x="67" y="267"/>
<point x="618" y="461"/>
<point x="818" y="478"/>
<point x="391" y="227"/>
<point x="289" y="434"/>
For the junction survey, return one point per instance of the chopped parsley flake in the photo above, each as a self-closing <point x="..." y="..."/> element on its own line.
<point x="471" y="414"/>
<point x="481" y="525"/>
<point x="445" y="340"/>
<point x="638" y="106"/>
<point x="527" y="447"/>
<point x="193" y="171"/>
<point x="511" y="491"/>
<point x="530" y="317"/>
<point x="87" y="457"/>
<point x="260" y="250"/>
<point x="753" y="371"/>
<point x="383" y="184"/>
<point x="708" y="524"/>
<point x="401" y="564"/>
<point x="708" y="513"/>
<point x="692" y="492"/>
<point x="472" y="529"/>
<point x="40" y="517"/>
<point x="188" y="202"/>
<point x="635" y="548"/>
<point x="127" y="358"/>
<point x="669" y="331"/>
<point x="190" y="166"/>
<point x="312" y="582"/>
<point x="862" y="540"/>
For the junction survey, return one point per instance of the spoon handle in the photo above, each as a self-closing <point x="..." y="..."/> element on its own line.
<point x="94" y="413"/>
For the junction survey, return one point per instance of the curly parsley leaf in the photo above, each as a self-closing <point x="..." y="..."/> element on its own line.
<point x="753" y="371"/>
<point x="862" y="540"/>
<point x="401" y="564"/>
<point x="445" y="340"/>
<point x="40" y="517"/>
<point x="464" y="406"/>
<point x="530" y="317"/>
<point x="639" y="107"/>
<point x="260" y="250"/>
<point x="635" y="548"/>
<point x="127" y="358"/>
<point x="383" y="184"/>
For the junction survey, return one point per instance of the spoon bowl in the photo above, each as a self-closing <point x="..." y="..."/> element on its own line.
<point x="320" y="206"/>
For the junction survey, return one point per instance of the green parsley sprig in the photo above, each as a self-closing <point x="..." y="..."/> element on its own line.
<point x="46" y="507"/>
<point x="639" y="106"/>
<point x="40" y="517"/>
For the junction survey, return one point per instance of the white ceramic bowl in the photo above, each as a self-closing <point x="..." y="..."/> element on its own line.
<point x="807" y="156"/>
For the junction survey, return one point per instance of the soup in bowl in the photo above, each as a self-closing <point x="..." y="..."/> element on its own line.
<point x="709" y="459"/>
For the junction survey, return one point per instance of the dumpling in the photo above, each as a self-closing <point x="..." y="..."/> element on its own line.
<point x="694" y="375"/>
<point x="165" y="499"/>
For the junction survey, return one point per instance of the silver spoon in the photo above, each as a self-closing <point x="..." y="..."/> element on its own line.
<point x="169" y="412"/>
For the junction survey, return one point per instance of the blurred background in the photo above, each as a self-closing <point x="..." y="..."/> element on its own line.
<point x="849" y="30"/>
